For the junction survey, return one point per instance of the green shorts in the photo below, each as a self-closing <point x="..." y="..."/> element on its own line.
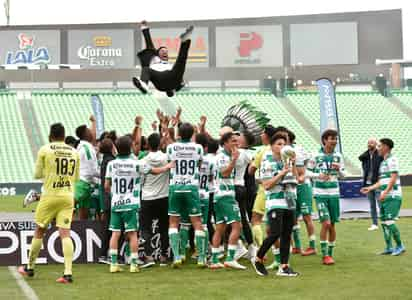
<point x="83" y="194"/>
<point x="128" y="219"/>
<point x="389" y="208"/>
<point x="304" y="200"/>
<point x="184" y="201"/>
<point x="226" y="210"/>
<point x="328" y="209"/>
<point x="97" y="200"/>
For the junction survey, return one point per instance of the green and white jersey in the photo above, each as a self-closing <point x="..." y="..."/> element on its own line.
<point x="389" y="166"/>
<point x="207" y="173"/>
<point x="321" y="163"/>
<point x="275" y="197"/>
<point x="126" y="175"/>
<point x="301" y="158"/>
<point x="187" y="157"/>
<point x="88" y="162"/>
<point x="224" y="186"/>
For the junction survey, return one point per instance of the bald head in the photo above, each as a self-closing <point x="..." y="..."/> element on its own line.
<point x="225" y="129"/>
<point x="372" y="142"/>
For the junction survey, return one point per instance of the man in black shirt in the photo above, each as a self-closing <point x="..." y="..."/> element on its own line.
<point x="371" y="161"/>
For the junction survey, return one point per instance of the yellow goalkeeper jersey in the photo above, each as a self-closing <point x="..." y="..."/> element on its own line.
<point x="57" y="165"/>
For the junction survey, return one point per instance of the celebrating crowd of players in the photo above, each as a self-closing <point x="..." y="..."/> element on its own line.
<point x="185" y="178"/>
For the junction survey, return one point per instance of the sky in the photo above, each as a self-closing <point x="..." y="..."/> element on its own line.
<point x="26" y="12"/>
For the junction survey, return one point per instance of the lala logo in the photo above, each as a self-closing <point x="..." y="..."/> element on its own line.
<point x="27" y="54"/>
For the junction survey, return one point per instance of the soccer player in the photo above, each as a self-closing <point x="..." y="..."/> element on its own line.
<point x="57" y="165"/>
<point x="280" y="207"/>
<point x="155" y="67"/>
<point x="244" y="141"/>
<point x="207" y="170"/>
<point x="259" y="205"/>
<point x="89" y="172"/>
<point x="303" y="201"/>
<point x="123" y="179"/>
<point x="225" y="205"/>
<point x="325" y="168"/>
<point x="390" y="199"/>
<point x="184" y="191"/>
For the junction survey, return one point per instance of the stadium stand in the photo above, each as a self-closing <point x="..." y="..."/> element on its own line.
<point x="361" y="115"/>
<point x="16" y="159"/>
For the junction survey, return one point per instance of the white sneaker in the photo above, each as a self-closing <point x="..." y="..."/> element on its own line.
<point x="240" y="252"/>
<point x="373" y="227"/>
<point x="30" y="198"/>
<point x="234" y="265"/>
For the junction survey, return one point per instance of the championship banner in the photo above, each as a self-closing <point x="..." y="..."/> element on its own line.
<point x="328" y="109"/>
<point x="98" y="113"/>
<point x="15" y="242"/>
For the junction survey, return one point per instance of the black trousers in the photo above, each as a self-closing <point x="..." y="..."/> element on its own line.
<point x="154" y="222"/>
<point x="241" y="198"/>
<point x="280" y="226"/>
<point x="211" y="213"/>
<point x="170" y="80"/>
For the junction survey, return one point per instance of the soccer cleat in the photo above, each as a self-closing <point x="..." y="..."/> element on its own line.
<point x="148" y="263"/>
<point x="134" y="269"/>
<point x="103" y="260"/>
<point x="115" y="269"/>
<point x="309" y="251"/>
<point x="373" y="228"/>
<point x="273" y="265"/>
<point x="30" y="197"/>
<point x="328" y="260"/>
<point x="188" y="32"/>
<point x="201" y="264"/>
<point x="140" y="85"/>
<point x="286" y="272"/>
<point x="65" y="279"/>
<point x="296" y="251"/>
<point x="163" y="261"/>
<point x="240" y="252"/>
<point x="386" y="251"/>
<point x="233" y="264"/>
<point x="24" y="271"/>
<point x="216" y="266"/>
<point x="177" y="262"/>
<point x="398" y="250"/>
<point x="259" y="268"/>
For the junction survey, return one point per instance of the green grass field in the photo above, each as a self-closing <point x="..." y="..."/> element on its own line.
<point x="358" y="274"/>
<point x="14" y="203"/>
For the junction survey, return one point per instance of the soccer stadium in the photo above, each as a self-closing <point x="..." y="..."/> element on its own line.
<point x="222" y="158"/>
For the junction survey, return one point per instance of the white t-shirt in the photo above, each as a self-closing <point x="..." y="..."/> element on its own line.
<point x="245" y="157"/>
<point x="155" y="186"/>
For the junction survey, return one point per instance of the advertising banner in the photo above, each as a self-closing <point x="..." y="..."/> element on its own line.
<point x="169" y="37"/>
<point x="37" y="47"/>
<point x="249" y="46"/>
<point x="112" y="48"/>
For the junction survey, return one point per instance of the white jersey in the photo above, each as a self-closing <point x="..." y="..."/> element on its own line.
<point x="225" y="186"/>
<point x="245" y="157"/>
<point x="126" y="175"/>
<point x="187" y="157"/>
<point x="155" y="186"/>
<point x="88" y="163"/>
<point x="207" y="173"/>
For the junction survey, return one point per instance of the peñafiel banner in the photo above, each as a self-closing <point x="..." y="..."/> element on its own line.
<point x="328" y="109"/>
<point x="15" y="241"/>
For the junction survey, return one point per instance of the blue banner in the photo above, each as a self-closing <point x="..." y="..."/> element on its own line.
<point x="328" y="109"/>
<point x="98" y="113"/>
